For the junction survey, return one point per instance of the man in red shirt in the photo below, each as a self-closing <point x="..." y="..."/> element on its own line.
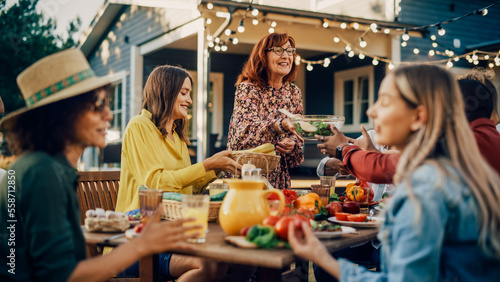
<point x="379" y="167"/>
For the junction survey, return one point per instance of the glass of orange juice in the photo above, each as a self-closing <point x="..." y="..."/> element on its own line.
<point x="196" y="206"/>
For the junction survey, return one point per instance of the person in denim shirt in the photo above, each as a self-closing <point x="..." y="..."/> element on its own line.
<point x="442" y="222"/>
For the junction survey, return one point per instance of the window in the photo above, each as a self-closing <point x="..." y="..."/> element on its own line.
<point x="94" y="158"/>
<point x="354" y="94"/>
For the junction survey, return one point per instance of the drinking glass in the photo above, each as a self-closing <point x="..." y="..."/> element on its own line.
<point x="328" y="181"/>
<point x="217" y="188"/>
<point x="149" y="200"/>
<point x="323" y="193"/>
<point x="196" y="206"/>
<point x="363" y="200"/>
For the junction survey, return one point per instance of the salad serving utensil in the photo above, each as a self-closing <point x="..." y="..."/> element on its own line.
<point x="303" y="124"/>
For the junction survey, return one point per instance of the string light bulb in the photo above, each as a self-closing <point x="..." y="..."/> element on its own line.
<point x="361" y="56"/>
<point x="433" y="37"/>
<point x="273" y="24"/>
<point x="486" y="57"/>
<point x="217" y="48"/>
<point x="348" y="48"/>
<point x="404" y="43"/>
<point x="355" y="25"/>
<point x="326" y="62"/>
<point x="223" y="47"/>
<point x="350" y="54"/>
<point x="405" y="36"/>
<point x="416" y="51"/>
<point x="343" y="25"/>
<point x="210" y="6"/>
<point x="255" y="21"/>
<point x="434" y="44"/>
<point x="217" y="40"/>
<point x="241" y="28"/>
<point x="211" y="44"/>
<point x="209" y="21"/>
<point x="456" y="59"/>
<point x="234" y="40"/>
<point x="228" y="32"/>
<point x="441" y="30"/>
<point x="362" y="43"/>
<point x="390" y="66"/>
<point x="255" y="11"/>
<point x="375" y="61"/>
<point x="309" y="67"/>
<point x="449" y="64"/>
<point x="484" y="12"/>
<point x="271" y="30"/>
<point x="209" y="37"/>
<point x="325" y="24"/>
<point x="336" y="39"/>
<point x="491" y="65"/>
<point x="476" y="63"/>
<point x="432" y="53"/>
<point x="374" y="27"/>
<point x="387" y="31"/>
<point x="474" y="57"/>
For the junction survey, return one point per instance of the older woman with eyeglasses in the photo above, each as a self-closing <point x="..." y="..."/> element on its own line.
<point x="263" y="87"/>
<point x="67" y="110"/>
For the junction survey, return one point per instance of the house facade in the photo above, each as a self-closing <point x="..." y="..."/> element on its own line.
<point x="337" y="74"/>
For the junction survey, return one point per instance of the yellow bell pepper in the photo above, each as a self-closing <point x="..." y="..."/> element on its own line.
<point x="309" y="201"/>
<point x="354" y="192"/>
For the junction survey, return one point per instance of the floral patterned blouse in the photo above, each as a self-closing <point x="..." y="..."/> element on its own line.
<point x="252" y="124"/>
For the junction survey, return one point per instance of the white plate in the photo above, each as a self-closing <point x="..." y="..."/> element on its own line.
<point x="131" y="234"/>
<point x="334" y="234"/>
<point x="377" y="222"/>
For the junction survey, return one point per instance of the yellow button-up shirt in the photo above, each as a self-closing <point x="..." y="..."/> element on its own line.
<point x="159" y="163"/>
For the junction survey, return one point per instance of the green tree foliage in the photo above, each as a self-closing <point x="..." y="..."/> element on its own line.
<point x="25" y="37"/>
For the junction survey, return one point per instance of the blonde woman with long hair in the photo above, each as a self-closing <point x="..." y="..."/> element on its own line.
<point x="443" y="222"/>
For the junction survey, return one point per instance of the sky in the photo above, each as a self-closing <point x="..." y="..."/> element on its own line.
<point x="64" y="11"/>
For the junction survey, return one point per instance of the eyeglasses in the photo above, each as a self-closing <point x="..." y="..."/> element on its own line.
<point x="279" y="50"/>
<point x="100" y="104"/>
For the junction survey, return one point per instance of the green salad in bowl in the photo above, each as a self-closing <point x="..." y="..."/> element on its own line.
<point x="309" y="125"/>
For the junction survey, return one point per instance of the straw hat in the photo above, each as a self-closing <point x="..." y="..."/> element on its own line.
<point x="54" y="78"/>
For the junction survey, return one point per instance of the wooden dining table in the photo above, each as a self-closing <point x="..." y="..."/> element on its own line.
<point x="271" y="262"/>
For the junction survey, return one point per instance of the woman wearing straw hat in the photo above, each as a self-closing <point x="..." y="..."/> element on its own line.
<point x="66" y="111"/>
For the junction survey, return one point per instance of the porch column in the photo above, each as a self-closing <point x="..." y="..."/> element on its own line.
<point x="202" y="57"/>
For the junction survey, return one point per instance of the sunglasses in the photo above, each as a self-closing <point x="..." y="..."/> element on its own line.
<point x="101" y="103"/>
<point x="280" y="50"/>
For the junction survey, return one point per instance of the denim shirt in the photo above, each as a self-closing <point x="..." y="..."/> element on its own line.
<point x="440" y="245"/>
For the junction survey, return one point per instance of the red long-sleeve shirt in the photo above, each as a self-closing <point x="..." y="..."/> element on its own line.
<point x="378" y="167"/>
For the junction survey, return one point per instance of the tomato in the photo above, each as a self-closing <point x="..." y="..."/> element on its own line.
<point x="360" y="217"/>
<point x="341" y="216"/>
<point x="273" y="196"/>
<point x="271" y="220"/>
<point x="138" y="228"/>
<point x="244" y="230"/>
<point x="290" y="194"/>
<point x="281" y="226"/>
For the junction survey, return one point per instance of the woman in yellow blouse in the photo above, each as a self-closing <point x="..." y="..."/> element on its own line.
<point x="154" y="150"/>
<point x="155" y="153"/>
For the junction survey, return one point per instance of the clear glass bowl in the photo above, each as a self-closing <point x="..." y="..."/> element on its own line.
<point x="309" y="125"/>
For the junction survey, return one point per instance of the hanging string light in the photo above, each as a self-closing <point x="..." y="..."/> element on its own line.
<point x="405" y="36"/>
<point x="241" y="28"/>
<point x="441" y="30"/>
<point x="362" y="43"/>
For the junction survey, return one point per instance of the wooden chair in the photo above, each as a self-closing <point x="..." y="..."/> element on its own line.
<point x="97" y="189"/>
